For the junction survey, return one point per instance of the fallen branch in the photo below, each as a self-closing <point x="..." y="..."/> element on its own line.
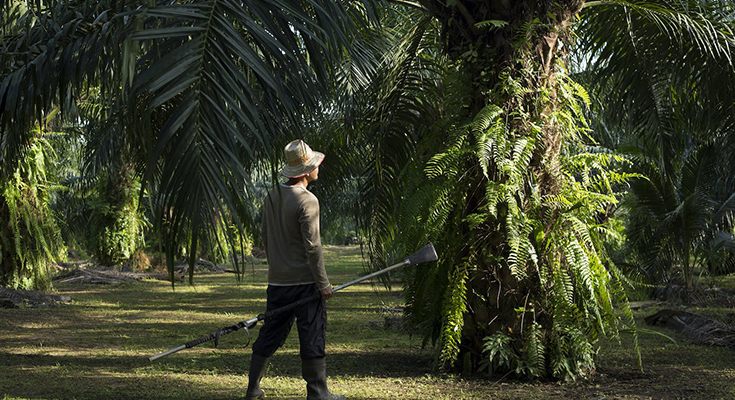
<point x="83" y="275"/>
<point x="699" y="328"/>
<point x="10" y="298"/>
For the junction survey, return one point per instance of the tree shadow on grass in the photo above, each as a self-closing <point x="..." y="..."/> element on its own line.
<point x="43" y="376"/>
<point x="82" y="378"/>
<point x="222" y="374"/>
<point x="374" y="363"/>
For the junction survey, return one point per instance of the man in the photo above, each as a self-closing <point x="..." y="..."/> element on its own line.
<point x="290" y="230"/>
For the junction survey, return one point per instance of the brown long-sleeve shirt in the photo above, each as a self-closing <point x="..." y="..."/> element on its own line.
<point x="290" y="229"/>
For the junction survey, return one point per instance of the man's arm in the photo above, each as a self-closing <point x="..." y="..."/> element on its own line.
<point x="264" y="228"/>
<point x="309" y="222"/>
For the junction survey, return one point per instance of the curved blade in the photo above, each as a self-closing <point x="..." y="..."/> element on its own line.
<point x="425" y="254"/>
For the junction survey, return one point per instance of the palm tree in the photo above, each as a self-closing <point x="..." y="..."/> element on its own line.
<point x="201" y="92"/>
<point x="475" y="147"/>
<point x="679" y="221"/>
<point x="480" y="145"/>
<point x="30" y="240"/>
<point x="673" y="120"/>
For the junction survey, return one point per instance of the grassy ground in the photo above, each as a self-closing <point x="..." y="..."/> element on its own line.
<point x="97" y="347"/>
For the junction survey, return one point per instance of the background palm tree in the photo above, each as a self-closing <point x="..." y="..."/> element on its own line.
<point x="672" y="119"/>
<point x="30" y="240"/>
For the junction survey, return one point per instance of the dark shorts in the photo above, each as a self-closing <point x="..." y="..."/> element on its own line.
<point x="311" y="322"/>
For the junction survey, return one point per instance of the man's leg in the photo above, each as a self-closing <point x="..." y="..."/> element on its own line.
<point x="272" y="336"/>
<point x="314" y="371"/>
<point x="258" y="364"/>
<point x="311" y="321"/>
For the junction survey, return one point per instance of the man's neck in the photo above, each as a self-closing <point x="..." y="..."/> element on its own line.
<point x="298" y="182"/>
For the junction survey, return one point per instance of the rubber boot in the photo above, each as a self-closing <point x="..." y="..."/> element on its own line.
<point x="314" y="372"/>
<point x="258" y="365"/>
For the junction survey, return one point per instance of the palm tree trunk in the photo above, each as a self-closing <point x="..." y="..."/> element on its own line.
<point x="115" y="228"/>
<point x="687" y="272"/>
<point x="526" y="49"/>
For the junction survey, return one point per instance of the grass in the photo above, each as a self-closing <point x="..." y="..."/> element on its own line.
<point x="97" y="347"/>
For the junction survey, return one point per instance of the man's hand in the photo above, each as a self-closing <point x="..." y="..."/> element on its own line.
<point x="327" y="292"/>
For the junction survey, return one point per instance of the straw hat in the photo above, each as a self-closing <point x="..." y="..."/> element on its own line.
<point x="300" y="159"/>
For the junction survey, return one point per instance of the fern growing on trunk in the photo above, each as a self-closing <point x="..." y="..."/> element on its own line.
<point x="500" y="179"/>
<point x="527" y="271"/>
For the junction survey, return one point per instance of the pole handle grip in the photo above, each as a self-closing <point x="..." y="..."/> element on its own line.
<point x="247" y="325"/>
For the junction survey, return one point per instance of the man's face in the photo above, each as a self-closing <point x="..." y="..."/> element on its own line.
<point x="313" y="175"/>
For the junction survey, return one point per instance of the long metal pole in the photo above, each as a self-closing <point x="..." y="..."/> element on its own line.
<point x="374" y="274"/>
<point x="263" y="316"/>
<point x="426" y="254"/>
<point x="167" y="353"/>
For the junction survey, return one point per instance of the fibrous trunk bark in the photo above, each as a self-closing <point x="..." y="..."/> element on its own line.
<point x="524" y="43"/>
